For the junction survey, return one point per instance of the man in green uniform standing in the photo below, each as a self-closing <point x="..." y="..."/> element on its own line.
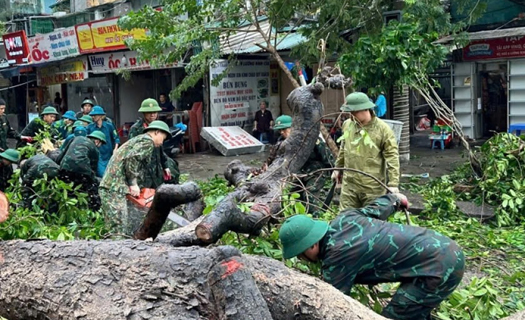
<point x="162" y="169"/>
<point x="360" y="247"/>
<point x="85" y="108"/>
<point x="41" y="124"/>
<point x="6" y="131"/>
<point x="368" y="145"/>
<point x="8" y="157"/>
<point x="64" y="126"/>
<point x="123" y="174"/>
<point x="319" y="158"/>
<point x="79" y="163"/>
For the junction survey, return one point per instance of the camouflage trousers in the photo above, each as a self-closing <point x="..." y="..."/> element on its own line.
<point x="122" y="217"/>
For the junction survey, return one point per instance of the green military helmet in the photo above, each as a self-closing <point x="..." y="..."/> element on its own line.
<point x="87" y="119"/>
<point x="49" y="110"/>
<point x="88" y="101"/>
<point x="150" y="105"/>
<point x="357" y="101"/>
<point x="283" y="122"/>
<point x="159" y="125"/>
<point x="97" y="111"/>
<point x="78" y="123"/>
<point x="97" y="135"/>
<point x="299" y="233"/>
<point x="11" y="154"/>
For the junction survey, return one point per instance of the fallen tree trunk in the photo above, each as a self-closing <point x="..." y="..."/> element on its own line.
<point x="145" y="280"/>
<point x="264" y="191"/>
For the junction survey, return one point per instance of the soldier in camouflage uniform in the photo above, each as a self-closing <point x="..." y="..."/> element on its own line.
<point x="162" y="169"/>
<point x="64" y="126"/>
<point x="8" y="157"/>
<point x="319" y="158"/>
<point x="36" y="167"/>
<point x="380" y="158"/>
<point x="79" y="163"/>
<point x="123" y="174"/>
<point x="359" y="247"/>
<point x="41" y="124"/>
<point x="6" y="131"/>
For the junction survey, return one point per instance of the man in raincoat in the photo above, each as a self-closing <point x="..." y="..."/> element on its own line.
<point x="360" y="247"/>
<point x="368" y="145"/>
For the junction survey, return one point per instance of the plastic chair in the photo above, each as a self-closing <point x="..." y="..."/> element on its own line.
<point x="441" y="140"/>
<point x="195" y="126"/>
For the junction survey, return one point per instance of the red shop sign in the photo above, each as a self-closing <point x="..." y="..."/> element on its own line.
<point x="500" y="48"/>
<point x="16" y="47"/>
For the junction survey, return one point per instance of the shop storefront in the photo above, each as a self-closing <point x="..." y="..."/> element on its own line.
<point x="489" y="85"/>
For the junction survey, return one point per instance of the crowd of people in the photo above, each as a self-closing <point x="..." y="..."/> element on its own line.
<point x="358" y="247"/>
<point x="86" y="151"/>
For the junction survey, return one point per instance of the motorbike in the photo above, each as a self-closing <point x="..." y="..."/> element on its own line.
<point x="172" y="145"/>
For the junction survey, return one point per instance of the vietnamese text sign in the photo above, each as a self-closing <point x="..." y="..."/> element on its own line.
<point x="501" y="48"/>
<point x="16" y="47"/>
<point x="236" y="99"/>
<point x="69" y="71"/>
<point x="111" y="62"/>
<point x="53" y="46"/>
<point x="231" y="140"/>
<point x="105" y="35"/>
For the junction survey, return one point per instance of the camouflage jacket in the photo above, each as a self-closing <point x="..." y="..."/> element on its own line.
<point x="79" y="132"/>
<point x="5" y="175"/>
<point x="6" y="131"/>
<point x="159" y="156"/>
<point x="127" y="164"/>
<point x="36" y="166"/>
<point x="80" y="157"/>
<point x="319" y="158"/>
<point x="360" y="247"/>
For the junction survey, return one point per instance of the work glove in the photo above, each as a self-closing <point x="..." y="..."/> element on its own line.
<point x="134" y="191"/>
<point x="26" y="138"/>
<point x="393" y="189"/>
<point x="336" y="176"/>
<point x="167" y="174"/>
<point x="403" y="201"/>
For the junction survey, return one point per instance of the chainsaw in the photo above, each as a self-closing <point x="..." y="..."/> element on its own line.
<point x="145" y="199"/>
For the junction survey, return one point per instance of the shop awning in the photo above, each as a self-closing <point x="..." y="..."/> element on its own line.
<point x="245" y="42"/>
<point x="489" y="34"/>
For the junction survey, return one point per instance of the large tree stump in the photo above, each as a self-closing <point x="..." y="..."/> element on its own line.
<point x="265" y="190"/>
<point x="147" y="280"/>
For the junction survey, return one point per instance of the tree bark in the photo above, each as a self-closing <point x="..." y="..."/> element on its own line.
<point x="264" y="191"/>
<point x="144" y="280"/>
<point x="517" y="316"/>
<point x="402" y="113"/>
